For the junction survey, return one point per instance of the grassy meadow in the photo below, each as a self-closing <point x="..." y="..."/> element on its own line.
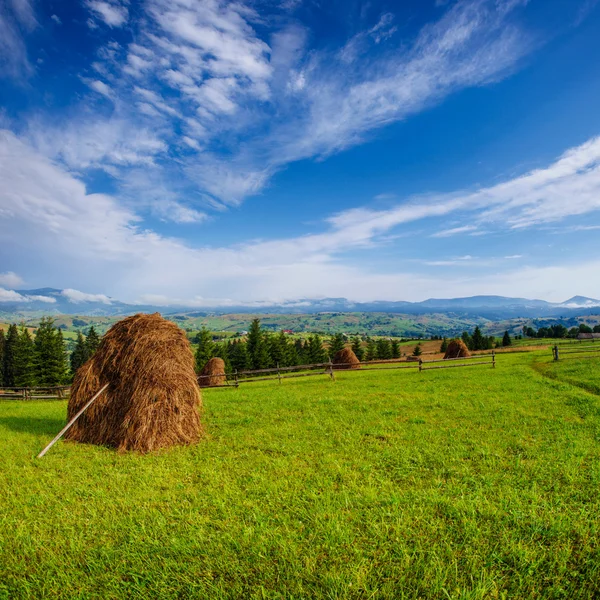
<point x="459" y="483"/>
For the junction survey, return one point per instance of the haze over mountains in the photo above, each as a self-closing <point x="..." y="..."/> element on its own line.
<point x="73" y="302"/>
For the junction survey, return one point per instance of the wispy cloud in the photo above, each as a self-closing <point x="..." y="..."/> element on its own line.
<point x="17" y="18"/>
<point x="10" y="279"/>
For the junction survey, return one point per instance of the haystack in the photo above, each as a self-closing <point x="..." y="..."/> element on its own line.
<point x="346" y="359"/>
<point x="153" y="397"/>
<point x="213" y="373"/>
<point x="457" y="349"/>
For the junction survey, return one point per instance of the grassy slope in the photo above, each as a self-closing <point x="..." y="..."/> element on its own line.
<point x="464" y="483"/>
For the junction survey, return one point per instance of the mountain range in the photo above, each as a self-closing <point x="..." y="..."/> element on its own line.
<point x="54" y="301"/>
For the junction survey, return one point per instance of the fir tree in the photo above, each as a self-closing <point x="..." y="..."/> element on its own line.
<point x="220" y="350"/>
<point x="478" y="342"/>
<point x="279" y="350"/>
<point x="384" y="349"/>
<point x="257" y="346"/>
<point x="466" y="338"/>
<point x="316" y="352"/>
<point x="417" y="351"/>
<point x="238" y="356"/>
<point x="336" y="343"/>
<point x="395" y="347"/>
<point x="444" y="345"/>
<point x="80" y="353"/>
<point x="300" y="348"/>
<point x="371" y="352"/>
<point x="506" y="341"/>
<point x="206" y="348"/>
<point x="50" y="355"/>
<point x="92" y="341"/>
<point x="24" y="363"/>
<point x="357" y="348"/>
<point x="10" y="349"/>
<point x="2" y="347"/>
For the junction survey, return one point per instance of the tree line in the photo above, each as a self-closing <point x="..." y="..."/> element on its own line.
<point x="478" y="341"/>
<point x="263" y="349"/>
<point x="28" y="360"/>
<point x="559" y="331"/>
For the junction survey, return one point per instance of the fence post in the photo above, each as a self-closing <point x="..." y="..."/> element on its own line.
<point x="331" y="369"/>
<point x="556" y="356"/>
<point x="420" y="364"/>
<point x="278" y="373"/>
<point x="237" y="383"/>
<point x="493" y="359"/>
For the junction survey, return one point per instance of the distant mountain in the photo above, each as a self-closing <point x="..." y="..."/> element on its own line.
<point x="71" y="302"/>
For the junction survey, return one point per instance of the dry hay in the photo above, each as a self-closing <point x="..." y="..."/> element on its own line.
<point x="153" y="397"/>
<point x="346" y="359"/>
<point x="213" y="373"/>
<point x="457" y="349"/>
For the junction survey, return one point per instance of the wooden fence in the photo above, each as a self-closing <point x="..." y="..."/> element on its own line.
<point x="54" y="392"/>
<point x="571" y="353"/>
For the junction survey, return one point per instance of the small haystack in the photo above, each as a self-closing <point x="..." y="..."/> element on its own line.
<point x="153" y="397"/>
<point x="346" y="359"/>
<point x="457" y="349"/>
<point x="213" y="373"/>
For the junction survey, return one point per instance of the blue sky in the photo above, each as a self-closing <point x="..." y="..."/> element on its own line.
<point x="214" y="152"/>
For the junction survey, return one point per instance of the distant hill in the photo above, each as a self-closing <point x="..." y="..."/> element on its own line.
<point x="71" y="302"/>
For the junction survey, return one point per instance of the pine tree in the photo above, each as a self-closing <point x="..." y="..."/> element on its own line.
<point x="257" y="346"/>
<point x="506" y="341"/>
<point x="238" y="356"/>
<point x="384" y="349"/>
<point x="220" y="350"/>
<point x="24" y="361"/>
<point x="10" y="349"/>
<point x="50" y="355"/>
<point x="2" y="348"/>
<point x="395" y="347"/>
<point x="444" y="345"/>
<point x="206" y="348"/>
<point x="417" y="351"/>
<point x="316" y="352"/>
<point x="478" y="342"/>
<point x="371" y="353"/>
<point x="336" y="343"/>
<point x="466" y="338"/>
<point x="279" y="350"/>
<point x="92" y="341"/>
<point x="357" y="348"/>
<point x="80" y="353"/>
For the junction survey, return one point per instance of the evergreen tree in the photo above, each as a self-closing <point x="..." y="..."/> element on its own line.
<point x="279" y="350"/>
<point x="80" y="353"/>
<point x="2" y="347"/>
<point x="220" y="350"/>
<point x="417" y="351"/>
<point x="92" y="341"/>
<point x="357" y="348"/>
<point x="478" y="341"/>
<point x="316" y="352"/>
<point x="300" y="347"/>
<point x="258" y="346"/>
<point x="10" y="349"/>
<point x="466" y="338"/>
<point x="395" y="346"/>
<point x="371" y="353"/>
<point x="444" y="345"/>
<point x="24" y="361"/>
<point x="506" y="341"/>
<point x="206" y="348"/>
<point x="50" y="355"/>
<point x="336" y="343"/>
<point x="238" y="356"/>
<point x="384" y="349"/>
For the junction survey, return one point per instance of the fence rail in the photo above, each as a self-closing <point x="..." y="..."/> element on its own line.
<point x="47" y="392"/>
<point x="558" y="352"/>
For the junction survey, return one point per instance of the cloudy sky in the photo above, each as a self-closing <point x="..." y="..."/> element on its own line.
<point x="206" y="151"/>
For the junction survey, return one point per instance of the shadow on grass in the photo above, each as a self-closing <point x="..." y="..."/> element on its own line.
<point x="46" y="426"/>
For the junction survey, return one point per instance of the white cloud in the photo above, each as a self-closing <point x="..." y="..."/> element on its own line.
<point x="112" y="13"/>
<point x="50" y="219"/>
<point x="77" y="297"/>
<point x="10" y="279"/>
<point x="56" y="19"/>
<point x="46" y="299"/>
<point x="11" y="296"/>
<point x="17" y="18"/>
<point x="454" y="231"/>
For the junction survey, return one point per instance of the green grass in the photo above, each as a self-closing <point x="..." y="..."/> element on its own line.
<point x="458" y="483"/>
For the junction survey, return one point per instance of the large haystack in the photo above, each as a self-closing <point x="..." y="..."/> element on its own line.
<point x="153" y="397"/>
<point x="346" y="359"/>
<point x="457" y="349"/>
<point x="213" y="373"/>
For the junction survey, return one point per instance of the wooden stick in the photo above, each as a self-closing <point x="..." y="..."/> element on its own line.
<point x="70" y="423"/>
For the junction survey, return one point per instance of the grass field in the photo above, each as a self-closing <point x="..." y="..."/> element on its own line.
<point x="458" y="483"/>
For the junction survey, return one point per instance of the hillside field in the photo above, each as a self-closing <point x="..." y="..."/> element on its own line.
<point x="458" y="483"/>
